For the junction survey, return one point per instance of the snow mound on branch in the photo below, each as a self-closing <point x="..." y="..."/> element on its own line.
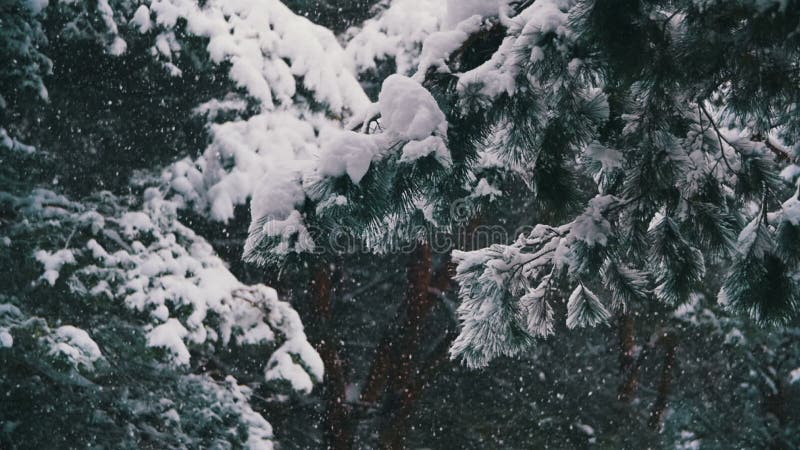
<point x="257" y="38"/>
<point x="53" y="262"/>
<point x="435" y="145"/>
<point x="281" y="365"/>
<point x="282" y="61"/>
<point x="241" y="152"/>
<point x="347" y="152"/>
<point x="459" y="10"/>
<point x="408" y="110"/>
<point x="396" y="33"/>
<point x="438" y="47"/>
<point x="526" y="31"/>
<point x="161" y="271"/>
<point x="170" y="335"/>
<point x="592" y="227"/>
<point x="6" y="340"/>
<point x="409" y="116"/>
<point x="76" y="345"/>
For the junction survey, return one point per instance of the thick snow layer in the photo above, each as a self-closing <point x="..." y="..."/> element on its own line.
<point x="170" y="336"/>
<point x="438" y="47"/>
<point x="141" y="19"/>
<point x="431" y="145"/>
<point x="272" y="54"/>
<point x="396" y="33"/>
<point x="282" y="366"/>
<point x="348" y="152"/>
<point x="459" y="10"/>
<point x="162" y="271"/>
<point x="409" y="116"/>
<point x="408" y="110"/>
<point x="278" y="192"/>
<point x="268" y="46"/>
<point x="243" y="155"/>
<point x="76" y="345"/>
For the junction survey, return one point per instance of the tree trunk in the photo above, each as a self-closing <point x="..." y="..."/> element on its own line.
<point x="338" y="435"/>
<point x="393" y="435"/>
<point x="665" y="385"/>
<point x="394" y="355"/>
<point x="627" y="361"/>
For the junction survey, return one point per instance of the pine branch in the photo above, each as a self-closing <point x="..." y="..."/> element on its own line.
<point x="720" y="137"/>
<point x="780" y="154"/>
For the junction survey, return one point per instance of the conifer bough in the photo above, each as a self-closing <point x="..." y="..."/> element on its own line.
<point x="656" y="140"/>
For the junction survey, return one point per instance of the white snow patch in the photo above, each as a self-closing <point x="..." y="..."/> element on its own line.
<point x="459" y="10"/>
<point x="408" y="110"/>
<point x="141" y="18"/>
<point x="169" y="335"/>
<point x="348" y="152"/>
<point x="397" y="33"/>
<point x="53" y="262"/>
<point x="76" y="345"/>
<point x="6" y="340"/>
<point x="435" y="145"/>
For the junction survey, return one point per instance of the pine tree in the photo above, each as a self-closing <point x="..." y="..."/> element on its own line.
<point x="666" y="160"/>
<point x="116" y="314"/>
<point x="642" y="152"/>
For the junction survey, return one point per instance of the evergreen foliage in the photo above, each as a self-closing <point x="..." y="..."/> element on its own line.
<point x="646" y="149"/>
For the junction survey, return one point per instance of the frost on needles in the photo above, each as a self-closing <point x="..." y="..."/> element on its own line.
<point x="645" y="145"/>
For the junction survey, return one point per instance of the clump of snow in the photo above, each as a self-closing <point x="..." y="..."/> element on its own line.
<point x="6" y="340"/>
<point x="484" y="189"/>
<point x="347" y="152"/>
<point x="240" y="156"/>
<point x="794" y="376"/>
<point x="282" y="366"/>
<point x="790" y="173"/>
<point x="76" y="345"/>
<point x="459" y="10"/>
<point x="271" y="52"/>
<point x="215" y="107"/>
<point x="735" y="337"/>
<point x="435" y="145"/>
<point x="290" y="228"/>
<point x="790" y="211"/>
<point x="592" y="227"/>
<point x="13" y="144"/>
<point x="397" y="33"/>
<point x="408" y="113"/>
<point x="118" y="46"/>
<point x="169" y="336"/>
<point x="438" y="47"/>
<point x="268" y="46"/>
<point x="408" y="110"/>
<point x="141" y="18"/>
<point x="607" y="157"/>
<point x="36" y="6"/>
<point x="53" y="262"/>
<point x="526" y="31"/>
